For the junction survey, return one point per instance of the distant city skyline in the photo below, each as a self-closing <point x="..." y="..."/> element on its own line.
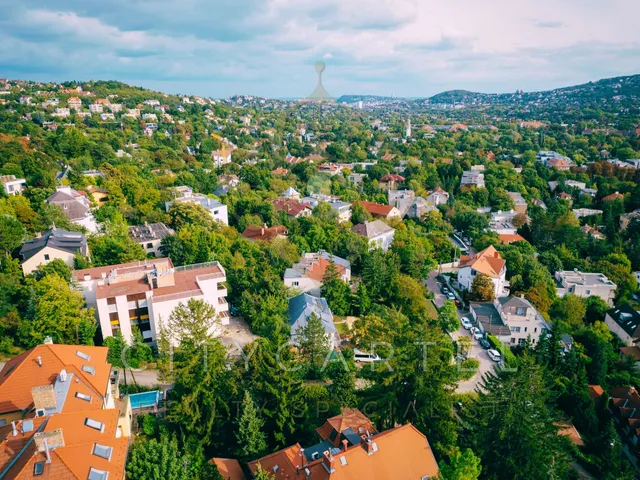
<point x="403" y="48"/>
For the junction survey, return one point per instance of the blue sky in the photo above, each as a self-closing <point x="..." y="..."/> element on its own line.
<point x="268" y="47"/>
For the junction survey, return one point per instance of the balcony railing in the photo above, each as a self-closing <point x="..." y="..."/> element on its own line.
<point x="177" y="296"/>
<point x="197" y="266"/>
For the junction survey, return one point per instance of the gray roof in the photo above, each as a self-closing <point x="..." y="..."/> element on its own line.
<point x="627" y="318"/>
<point x="490" y="319"/>
<point x="149" y="231"/>
<point x="302" y="306"/>
<point x="515" y="302"/>
<point x="222" y="190"/>
<point x="55" y="238"/>
<point x="372" y="229"/>
<point x="73" y="208"/>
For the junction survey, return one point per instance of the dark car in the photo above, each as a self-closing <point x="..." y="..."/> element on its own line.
<point x="484" y="343"/>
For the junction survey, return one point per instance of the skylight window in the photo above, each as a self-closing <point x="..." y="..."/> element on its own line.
<point x="95" y="474"/>
<point x="38" y="468"/>
<point x="94" y="424"/>
<point x="343" y="460"/>
<point x="83" y="355"/>
<point x="83" y="396"/>
<point x="89" y="369"/>
<point x="102" y="451"/>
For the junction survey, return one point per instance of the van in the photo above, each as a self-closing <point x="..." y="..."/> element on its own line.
<point x="364" y="357"/>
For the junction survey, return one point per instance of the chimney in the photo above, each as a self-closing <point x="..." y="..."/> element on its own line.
<point x="39" y="361"/>
<point x="328" y="461"/>
<point x="46" y="451"/>
<point x="345" y="444"/>
<point x="14" y="430"/>
<point x="368" y="445"/>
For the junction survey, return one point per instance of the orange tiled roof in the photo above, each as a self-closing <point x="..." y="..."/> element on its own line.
<point x="291" y="207"/>
<point x="376" y="209"/>
<point x="349" y="418"/>
<point x="613" y="196"/>
<point x="506" y="238"/>
<point x="392" y="177"/>
<point x="488" y="262"/>
<point x="24" y="372"/>
<point x="253" y="232"/>
<point x="229" y="468"/>
<point x="402" y="453"/>
<point x="595" y="391"/>
<point x="558" y="162"/>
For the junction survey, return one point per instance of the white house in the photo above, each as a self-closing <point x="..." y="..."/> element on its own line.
<point x="12" y="185"/>
<point x="221" y="157"/>
<point x="61" y="112"/>
<point x="144" y="294"/>
<point x="487" y="262"/>
<point x="624" y="321"/>
<point x="96" y="108"/>
<point x="472" y="178"/>
<point x="585" y="285"/>
<point x="51" y="245"/>
<point x="217" y="210"/>
<point x="378" y="233"/>
<point x="76" y="207"/>
<point x="150" y="236"/>
<point x="438" y="197"/>
<point x="308" y="273"/>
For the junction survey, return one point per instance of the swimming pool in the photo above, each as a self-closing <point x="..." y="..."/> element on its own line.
<point x="145" y="399"/>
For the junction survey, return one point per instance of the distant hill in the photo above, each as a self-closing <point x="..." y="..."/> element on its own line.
<point x="618" y="89"/>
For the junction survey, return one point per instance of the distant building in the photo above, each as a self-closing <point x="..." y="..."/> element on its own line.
<point x="217" y="210"/>
<point x="292" y="208"/>
<point x="76" y="207"/>
<point x="624" y="321"/>
<point x="627" y="218"/>
<point x="51" y="245"/>
<point x="391" y="181"/>
<point x="150" y="236"/>
<point x="301" y="307"/>
<point x="264" y="234"/>
<point x="472" y="178"/>
<point x="221" y="157"/>
<point x="378" y="210"/>
<point x="585" y="285"/>
<point x="519" y="201"/>
<point x="357" y="178"/>
<point x="487" y="262"/>
<point x="308" y="273"/>
<point x="144" y="294"/>
<point x="12" y="185"/>
<point x="438" y="197"/>
<point x="378" y="233"/>
<point x="586" y="212"/>
<point x="291" y="193"/>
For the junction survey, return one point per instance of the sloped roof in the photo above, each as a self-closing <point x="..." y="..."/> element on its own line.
<point x="55" y="238"/>
<point x="613" y="196"/>
<point x="376" y="209"/>
<point x="488" y="262"/>
<point x="302" y="306"/>
<point x="627" y="318"/>
<point x="507" y="238"/>
<point x="372" y="229"/>
<point x="253" y="232"/>
<point x="229" y="468"/>
<point x="23" y="372"/>
<point x="291" y="207"/>
<point x="350" y="418"/>
<point x="392" y="177"/>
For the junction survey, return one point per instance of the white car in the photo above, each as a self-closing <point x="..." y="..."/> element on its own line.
<point x="466" y="323"/>
<point x="364" y="357"/>
<point x="478" y="334"/>
<point x="451" y="296"/>
<point x="494" y="355"/>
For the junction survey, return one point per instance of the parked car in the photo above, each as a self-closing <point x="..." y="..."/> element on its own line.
<point x="451" y="296"/>
<point x="494" y="355"/>
<point x="466" y="323"/>
<point x="484" y="343"/>
<point x="364" y="357"/>
<point x="458" y="303"/>
<point x="445" y="290"/>
<point x="478" y="334"/>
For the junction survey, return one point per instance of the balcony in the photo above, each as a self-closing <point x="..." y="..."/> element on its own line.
<point x="112" y="308"/>
<point x="222" y="301"/>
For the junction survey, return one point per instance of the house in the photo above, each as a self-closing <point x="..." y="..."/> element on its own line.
<point x="342" y="209"/>
<point x="585" y="212"/>
<point x="378" y="210"/>
<point x="217" y="210"/>
<point x="438" y="197"/>
<point x="565" y="196"/>
<point x="627" y="218"/>
<point x="624" y="321"/>
<point x="107" y="116"/>
<point x="96" y="108"/>
<point x="144" y="294"/>
<point x="264" y="234"/>
<point x="349" y="448"/>
<point x="115" y="107"/>
<point x="624" y="404"/>
<point x="357" y="178"/>
<point x="307" y="275"/>
<point x="503" y="228"/>
<point x="378" y="233"/>
<point x="330" y="168"/>
<point x="61" y="112"/>
<point x="58" y="418"/>
<point x="507" y="238"/>
<point x="280" y="172"/>
<point x="291" y="194"/>
<point x="585" y="285"/>
<point x="390" y="181"/>
<point x="292" y="208"/>
<point x="74" y="103"/>
<point x="489" y="320"/>
<point x="472" y="178"/>
<point x="522" y="318"/>
<point x="98" y="195"/>
<point x="301" y="307"/>
<point x="51" y="245"/>
<point x="76" y="207"/>
<point x="150" y="236"/>
<point x="12" y="185"/>
<point x="487" y="262"/>
<point x="559" y="164"/>
<point x="539" y="203"/>
<point x="519" y="201"/>
<point x="592" y="232"/>
<point x="221" y="157"/>
<point x="408" y="204"/>
<point x="613" y="197"/>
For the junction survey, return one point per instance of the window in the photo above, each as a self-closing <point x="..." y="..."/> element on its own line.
<point x="521" y="311"/>
<point x="102" y="451"/>
<point x="40" y="412"/>
<point x="46" y="257"/>
<point x="525" y="329"/>
<point x="111" y="301"/>
<point x="89" y="369"/>
<point x="83" y="355"/>
<point x="535" y="330"/>
<point x="38" y="468"/>
<point x="3" y="422"/>
<point x="587" y="292"/>
<point x="215" y="212"/>
<point x="95" y="474"/>
<point x="94" y="424"/>
<point x="83" y="396"/>
<point x="149" y="245"/>
<point x="295" y="284"/>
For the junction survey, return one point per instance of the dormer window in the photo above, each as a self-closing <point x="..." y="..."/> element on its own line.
<point x="102" y="451"/>
<point x="89" y="369"/>
<point x="96" y="425"/>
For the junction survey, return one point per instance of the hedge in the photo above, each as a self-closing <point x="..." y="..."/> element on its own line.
<point x="504" y="349"/>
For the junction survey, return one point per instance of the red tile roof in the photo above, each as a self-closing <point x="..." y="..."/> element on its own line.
<point x="255" y="233"/>
<point x="349" y="418"/>
<point x="392" y="177"/>
<point x="595" y="391"/>
<point x="291" y="207"/>
<point x="488" y="262"/>
<point x="506" y="238"/>
<point x="229" y="468"/>
<point x="558" y="163"/>
<point x="613" y="196"/>
<point x="376" y="209"/>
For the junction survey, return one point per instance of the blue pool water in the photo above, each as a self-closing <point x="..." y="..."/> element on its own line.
<point x="145" y="399"/>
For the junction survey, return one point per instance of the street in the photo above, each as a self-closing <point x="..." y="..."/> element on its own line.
<point x="486" y="364"/>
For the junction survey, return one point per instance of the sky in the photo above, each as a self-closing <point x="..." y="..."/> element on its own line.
<point x="413" y="48"/>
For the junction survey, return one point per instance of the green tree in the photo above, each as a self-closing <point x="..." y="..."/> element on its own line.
<point x="250" y="438"/>
<point x="182" y="214"/>
<point x="513" y="427"/>
<point x="194" y="322"/>
<point x="460" y="465"/>
<point x="359" y="214"/>
<point x="336" y="291"/>
<point x="12" y="234"/>
<point x="482" y="289"/>
<point x="448" y="316"/>
<point x="314" y="343"/>
<point x="56" y="266"/>
<point x="570" y="309"/>
<point x="362" y="299"/>
<point x="263" y="475"/>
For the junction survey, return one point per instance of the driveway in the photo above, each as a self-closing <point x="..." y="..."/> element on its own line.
<point x="486" y="364"/>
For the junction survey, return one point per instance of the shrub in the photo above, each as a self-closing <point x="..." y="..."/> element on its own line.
<point x="468" y="368"/>
<point x="507" y="355"/>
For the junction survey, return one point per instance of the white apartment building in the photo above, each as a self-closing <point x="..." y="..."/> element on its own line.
<point x="307" y="275"/>
<point x="585" y="285"/>
<point x="61" y="112"/>
<point x="220" y="158"/>
<point x="96" y="108"/>
<point x="144" y="294"/>
<point x="12" y="185"/>
<point x="217" y="210"/>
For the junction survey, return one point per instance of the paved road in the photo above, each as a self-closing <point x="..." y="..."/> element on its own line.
<point x="486" y="364"/>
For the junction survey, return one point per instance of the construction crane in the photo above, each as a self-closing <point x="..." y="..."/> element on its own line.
<point x="223" y="142"/>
